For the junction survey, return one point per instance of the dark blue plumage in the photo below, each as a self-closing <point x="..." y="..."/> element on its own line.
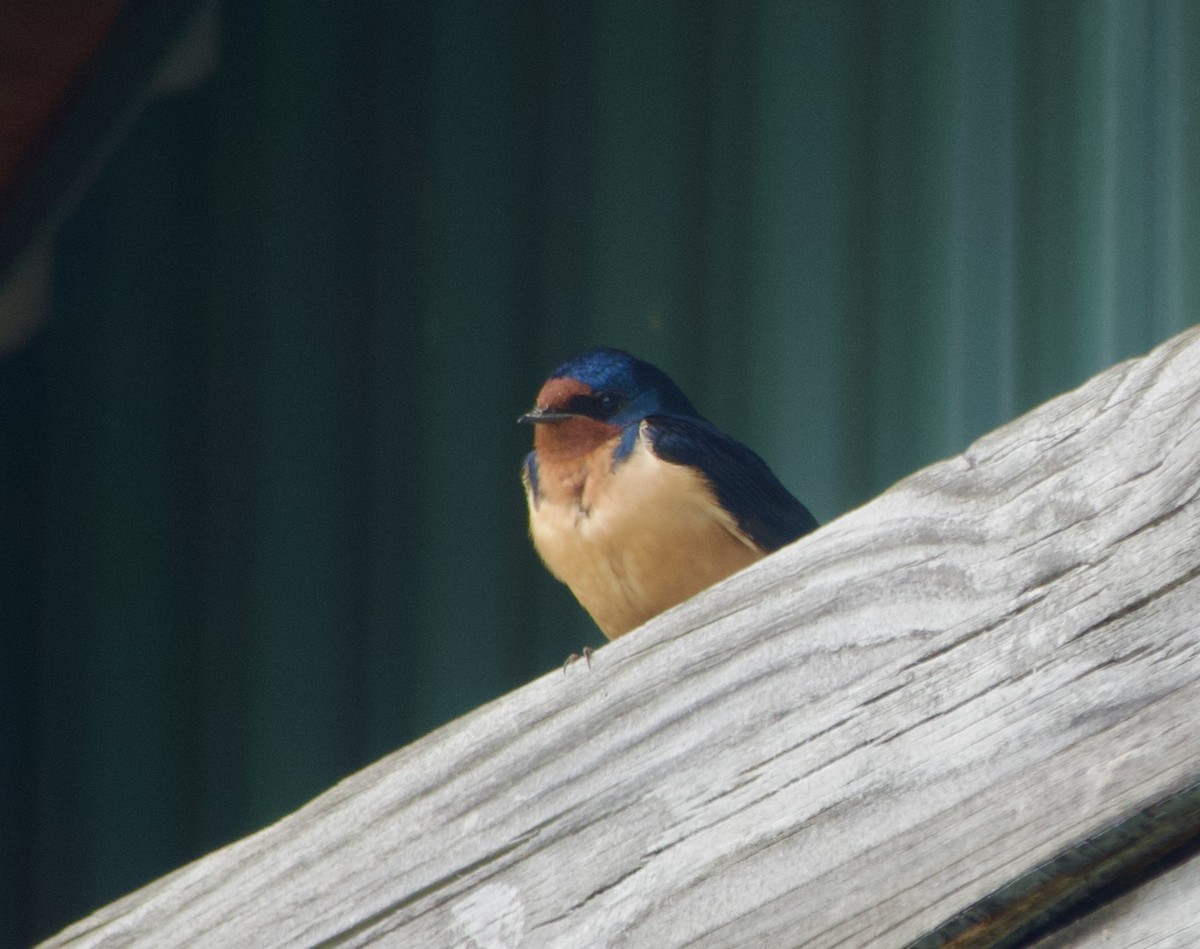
<point x="645" y="387"/>
<point x="744" y="484"/>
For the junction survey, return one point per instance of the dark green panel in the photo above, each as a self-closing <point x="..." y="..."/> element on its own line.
<point x="229" y="173"/>
<point x="1064" y="259"/>
<point x="979" y="349"/>
<point x="805" y="323"/>
<point x="641" y="170"/>
<point x="400" y="172"/>
<point x="914" y="182"/>
<point x="23" y="641"/>
<point x="306" y="557"/>
<point x="467" y="449"/>
<point x="120" y="677"/>
<point x="719" y="209"/>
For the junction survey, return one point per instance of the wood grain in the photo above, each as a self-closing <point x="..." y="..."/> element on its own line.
<point x="845" y="745"/>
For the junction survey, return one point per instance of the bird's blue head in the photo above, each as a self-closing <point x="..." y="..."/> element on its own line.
<point x="611" y="387"/>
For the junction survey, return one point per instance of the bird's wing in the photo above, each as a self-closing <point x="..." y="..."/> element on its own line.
<point x="529" y="476"/>
<point x="764" y="509"/>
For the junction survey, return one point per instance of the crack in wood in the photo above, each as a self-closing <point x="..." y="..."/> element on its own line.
<point x="1138" y="604"/>
<point x="1118" y="858"/>
<point x="1162" y="518"/>
<point x="375" y="919"/>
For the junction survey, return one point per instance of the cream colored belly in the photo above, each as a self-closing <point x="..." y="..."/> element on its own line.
<point x="647" y="537"/>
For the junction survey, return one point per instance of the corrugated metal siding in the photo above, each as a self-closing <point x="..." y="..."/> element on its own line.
<point x="265" y="503"/>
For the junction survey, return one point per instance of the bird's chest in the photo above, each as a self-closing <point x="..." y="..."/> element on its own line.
<point x="588" y="508"/>
<point x="569" y="490"/>
<point x="635" y="538"/>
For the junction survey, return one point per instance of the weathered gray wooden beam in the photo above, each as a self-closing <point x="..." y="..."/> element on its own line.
<point x="852" y="743"/>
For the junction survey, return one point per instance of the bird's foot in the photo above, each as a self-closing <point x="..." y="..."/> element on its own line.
<point x="575" y="657"/>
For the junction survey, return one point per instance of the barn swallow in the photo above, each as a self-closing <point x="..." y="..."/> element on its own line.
<point x="636" y="502"/>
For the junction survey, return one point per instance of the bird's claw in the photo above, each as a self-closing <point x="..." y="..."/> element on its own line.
<point x="575" y="657"/>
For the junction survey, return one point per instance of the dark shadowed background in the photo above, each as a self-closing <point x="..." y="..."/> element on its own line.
<point x="261" y="521"/>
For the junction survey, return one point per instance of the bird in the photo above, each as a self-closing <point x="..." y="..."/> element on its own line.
<point x="636" y="501"/>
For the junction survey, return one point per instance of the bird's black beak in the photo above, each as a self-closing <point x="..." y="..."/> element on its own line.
<point x="537" y="416"/>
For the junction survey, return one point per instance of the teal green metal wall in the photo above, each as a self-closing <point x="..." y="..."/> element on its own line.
<point x="263" y="523"/>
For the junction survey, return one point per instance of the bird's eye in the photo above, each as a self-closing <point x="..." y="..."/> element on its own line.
<point x="608" y="402"/>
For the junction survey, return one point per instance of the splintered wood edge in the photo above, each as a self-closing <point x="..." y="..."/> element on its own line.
<point x="1051" y="895"/>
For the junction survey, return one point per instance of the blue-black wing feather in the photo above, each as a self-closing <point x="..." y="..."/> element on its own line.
<point x="529" y="473"/>
<point x="745" y="486"/>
